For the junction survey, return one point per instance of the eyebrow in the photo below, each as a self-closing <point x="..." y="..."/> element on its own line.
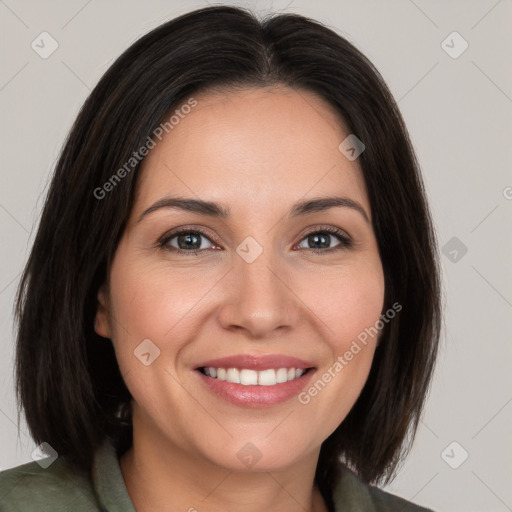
<point x="213" y="209"/>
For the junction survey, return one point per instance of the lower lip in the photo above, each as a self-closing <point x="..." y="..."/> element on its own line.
<point x="256" y="396"/>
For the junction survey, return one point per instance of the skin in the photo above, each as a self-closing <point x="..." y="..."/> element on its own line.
<point x="256" y="151"/>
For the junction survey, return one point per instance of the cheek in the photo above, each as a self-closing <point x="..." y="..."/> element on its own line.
<point x="153" y="303"/>
<point x="150" y="302"/>
<point x="348" y="302"/>
<point x="350" y="305"/>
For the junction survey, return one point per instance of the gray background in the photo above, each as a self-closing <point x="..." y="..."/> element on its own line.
<point x="458" y="111"/>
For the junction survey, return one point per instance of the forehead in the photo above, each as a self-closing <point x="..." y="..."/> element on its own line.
<point x="249" y="148"/>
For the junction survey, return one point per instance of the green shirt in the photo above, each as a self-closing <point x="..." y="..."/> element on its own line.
<point x="30" y="488"/>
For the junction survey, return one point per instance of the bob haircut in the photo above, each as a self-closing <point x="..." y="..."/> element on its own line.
<point x="67" y="378"/>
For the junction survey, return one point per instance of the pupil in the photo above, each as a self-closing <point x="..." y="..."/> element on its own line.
<point x="313" y="239"/>
<point x="191" y="241"/>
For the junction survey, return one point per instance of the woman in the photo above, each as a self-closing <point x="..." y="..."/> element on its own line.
<point x="232" y="302"/>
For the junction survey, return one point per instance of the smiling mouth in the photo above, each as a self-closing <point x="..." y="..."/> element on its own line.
<point x="248" y="377"/>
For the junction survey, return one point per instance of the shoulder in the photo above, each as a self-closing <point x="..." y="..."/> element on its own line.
<point x="58" y="488"/>
<point x="352" y="494"/>
<point x="385" y="502"/>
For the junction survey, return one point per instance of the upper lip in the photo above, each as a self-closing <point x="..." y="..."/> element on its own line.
<point x="263" y="362"/>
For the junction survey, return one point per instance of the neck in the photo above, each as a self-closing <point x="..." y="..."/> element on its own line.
<point x="159" y="475"/>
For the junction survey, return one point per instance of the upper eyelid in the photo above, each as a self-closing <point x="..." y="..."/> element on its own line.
<point x="180" y="230"/>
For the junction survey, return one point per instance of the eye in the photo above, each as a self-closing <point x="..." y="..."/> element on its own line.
<point x="321" y="239"/>
<point x="188" y="242"/>
<point x="191" y="242"/>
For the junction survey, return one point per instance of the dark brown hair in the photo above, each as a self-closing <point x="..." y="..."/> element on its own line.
<point x="68" y="380"/>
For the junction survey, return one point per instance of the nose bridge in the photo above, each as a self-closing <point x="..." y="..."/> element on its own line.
<point x="259" y="300"/>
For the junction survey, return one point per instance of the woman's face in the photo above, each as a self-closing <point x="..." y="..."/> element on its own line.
<point x="250" y="288"/>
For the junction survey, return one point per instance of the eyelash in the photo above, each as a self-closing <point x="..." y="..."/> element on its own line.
<point x="345" y="241"/>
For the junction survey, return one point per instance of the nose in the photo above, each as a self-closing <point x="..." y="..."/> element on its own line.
<point x="259" y="298"/>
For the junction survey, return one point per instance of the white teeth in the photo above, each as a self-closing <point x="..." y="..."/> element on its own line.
<point x="281" y="375"/>
<point x="248" y="377"/>
<point x="233" y="375"/>
<point x="267" y="378"/>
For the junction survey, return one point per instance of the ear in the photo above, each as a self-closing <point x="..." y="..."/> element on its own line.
<point x="102" y="319"/>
